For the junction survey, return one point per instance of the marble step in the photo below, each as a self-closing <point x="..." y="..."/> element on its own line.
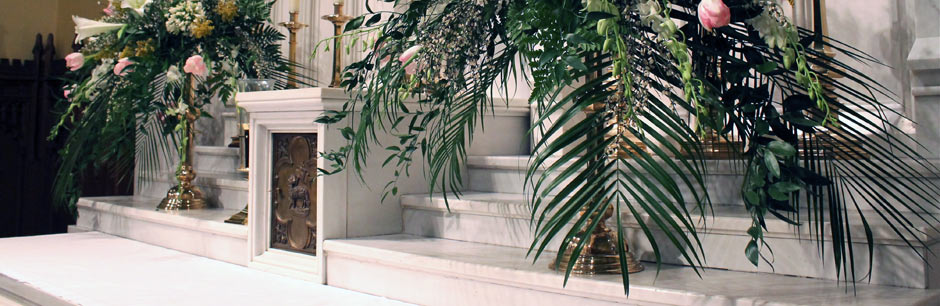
<point x="222" y="190"/>
<point x="103" y="270"/>
<point x="434" y="271"/>
<point x="506" y="174"/>
<point x="216" y="159"/>
<point x="198" y="232"/>
<point x="229" y="125"/>
<point x="504" y="219"/>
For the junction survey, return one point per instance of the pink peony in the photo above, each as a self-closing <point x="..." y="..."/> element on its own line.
<point x="121" y="66"/>
<point x="713" y="14"/>
<point x="196" y="66"/>
<point x="74" y="61"/>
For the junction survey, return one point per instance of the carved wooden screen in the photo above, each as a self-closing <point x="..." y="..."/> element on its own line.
<point x="294" y="196"/>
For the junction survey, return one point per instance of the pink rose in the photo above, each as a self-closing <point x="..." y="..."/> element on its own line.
<point x="74" y="61"/>
<point x="121" y="66"/>
<point x="713" y="14"/>
<point x="109" y="10"/>
<point x="196" y="66"/>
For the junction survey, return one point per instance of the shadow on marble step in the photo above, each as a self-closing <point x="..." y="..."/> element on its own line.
<point x="503" y="219"/>
<point x="222" y="190"/>
<point x="506" y="174"/>
<point x="430" y="271"/>
<point x="200" y="232"/>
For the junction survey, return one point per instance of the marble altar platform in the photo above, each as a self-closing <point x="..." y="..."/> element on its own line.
<point x="98" y="269"/>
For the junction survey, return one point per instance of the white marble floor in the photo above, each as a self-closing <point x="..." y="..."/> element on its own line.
<point x="98" y="269"/>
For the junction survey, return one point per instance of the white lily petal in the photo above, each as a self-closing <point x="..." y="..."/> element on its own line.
<point x="85" y="27"/>
<point x="137" y="5"/>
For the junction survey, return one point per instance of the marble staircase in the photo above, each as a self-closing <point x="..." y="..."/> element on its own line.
<point x="475" y="252"/>
<point x="436" y="271"/>
<point x="495" y="211"/>
<point x="199" y="232"/>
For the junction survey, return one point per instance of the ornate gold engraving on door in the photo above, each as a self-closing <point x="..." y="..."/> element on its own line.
<point x="294" y="196"/>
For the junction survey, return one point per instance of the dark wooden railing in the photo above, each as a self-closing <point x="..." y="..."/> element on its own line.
<point x="29" y="90"/>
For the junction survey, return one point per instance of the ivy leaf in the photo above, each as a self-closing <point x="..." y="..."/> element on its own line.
<point x="766" y="67"/>
<point x="752" y="197"/>
<point x="752" y="252"/>
<point x="576" y="63"/>
<point x="785" y="187"/>
<point x="576" y="39"/>
<point x="755" y="232"/>
<point x="354" y="24"/>
<point x="781" y="148"/>
<point x="374" y="19"/>
<point x="771" y="162"/>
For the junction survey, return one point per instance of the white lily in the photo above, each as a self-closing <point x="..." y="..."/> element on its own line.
<point x="136" y="5"/>
<point x="85" y="27"/>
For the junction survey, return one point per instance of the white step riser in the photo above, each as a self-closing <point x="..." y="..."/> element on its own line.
<point x="216" y="160"/>
<point x="723" y="189"/>
<point x="227" y="194"/>
<point x="894" y="263"/>
<point x="434" y="271"/>
<point x="215" y="240"/>
<point x="430" y="288"/>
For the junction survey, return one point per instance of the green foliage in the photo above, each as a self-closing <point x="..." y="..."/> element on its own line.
<point x="612" y="83"/>
<point x="109" y="117"/>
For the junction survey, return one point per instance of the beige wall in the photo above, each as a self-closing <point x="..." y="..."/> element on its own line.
<point x="20" y="21"/>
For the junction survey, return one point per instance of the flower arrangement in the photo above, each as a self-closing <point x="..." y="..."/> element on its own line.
<point x="626" y="93"/>
<point x="145" y="67"/>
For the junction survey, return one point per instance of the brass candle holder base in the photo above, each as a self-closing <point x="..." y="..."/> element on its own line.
<point x="184" y="195"/>
<point x="240" y="217"/>
<point x="599" y="254"/>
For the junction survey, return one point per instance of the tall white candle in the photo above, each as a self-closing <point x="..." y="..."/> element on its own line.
<point x="294" y="5"/>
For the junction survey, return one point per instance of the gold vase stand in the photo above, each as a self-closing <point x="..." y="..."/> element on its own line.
<point x="599" y="254"/>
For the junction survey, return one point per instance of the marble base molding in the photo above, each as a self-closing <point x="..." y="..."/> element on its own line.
<point x="198" y="232"/>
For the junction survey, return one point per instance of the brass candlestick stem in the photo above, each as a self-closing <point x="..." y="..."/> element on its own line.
<point x="293" y="26"/>
<point x="838" y="146"/>
<point x="338" y="20"/>
<point x="185" y="195"/>
<point x="599" y="254"/>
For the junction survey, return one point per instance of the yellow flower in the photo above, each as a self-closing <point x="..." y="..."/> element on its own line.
<point x="144" y="48"/>
<point x="227" y="10"/>
<point x="201" y="28"/>
<point x="127" y="52"/>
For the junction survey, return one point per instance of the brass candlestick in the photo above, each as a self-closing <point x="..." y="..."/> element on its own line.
<point x="293" y="26"/>
<point x="846" y="148"/>
<point x="599" y="254"/>
<point x="185" y="195"/>
<point x="338" y="20"/>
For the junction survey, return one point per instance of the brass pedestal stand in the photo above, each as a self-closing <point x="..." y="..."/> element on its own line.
<point x="185" y="195"/>
<point x="599" y="254"/>
<point x="832" y="145"/>
<point x="338" y="20"/>
<point x="240" y="217"/>
<point x="716" y="147"/>
<point x="292" y="27"/>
